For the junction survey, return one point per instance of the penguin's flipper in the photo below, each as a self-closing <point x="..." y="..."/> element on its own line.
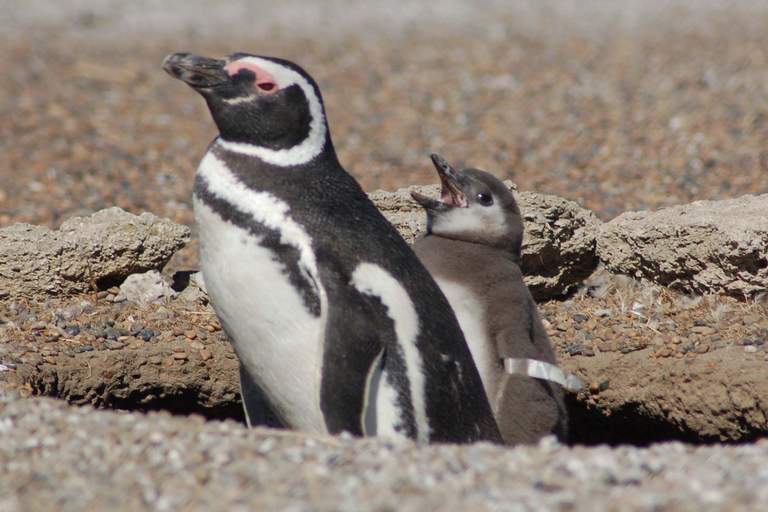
<point x="527" y="409"/>
<point x="355" y="341"/>
<point x="257" y="411"/>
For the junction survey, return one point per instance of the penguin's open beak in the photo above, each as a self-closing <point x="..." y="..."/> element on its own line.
<point x="451" y="193"/>
<point x="429" y="204"/>
<point x="198" y="72"/>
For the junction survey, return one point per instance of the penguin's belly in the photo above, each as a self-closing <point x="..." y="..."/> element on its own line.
<point x="276" y="337"/>
<point x="471" y="316"/>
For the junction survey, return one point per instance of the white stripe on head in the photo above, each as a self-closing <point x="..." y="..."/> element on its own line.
<point x="265" y="209"/>
<point x="371" y="279"/>
<point x="309" y="147"/>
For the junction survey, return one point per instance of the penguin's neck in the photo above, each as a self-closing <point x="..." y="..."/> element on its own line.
<point x="316" y="143"/>
<point x="294" y="158"/>
<point x="501" y="251"/>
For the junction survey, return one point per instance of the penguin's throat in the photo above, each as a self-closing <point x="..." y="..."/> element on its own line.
<point x="454" y="197"/>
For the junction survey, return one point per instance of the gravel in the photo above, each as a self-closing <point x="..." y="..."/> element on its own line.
<point x="156" y="461"/>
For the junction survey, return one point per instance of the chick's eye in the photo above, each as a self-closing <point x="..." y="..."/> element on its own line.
<point x="485" y="199"/>
<point x="266" y="86"/>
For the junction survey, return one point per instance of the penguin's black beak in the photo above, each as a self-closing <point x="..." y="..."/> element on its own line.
<point x="198" y="72"/>
<point x="452" y="192"/>
<point x="429" y="204"/>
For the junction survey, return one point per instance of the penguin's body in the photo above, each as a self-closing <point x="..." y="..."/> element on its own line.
<point x="333" y="318"/>
<point x="472" y="248"/>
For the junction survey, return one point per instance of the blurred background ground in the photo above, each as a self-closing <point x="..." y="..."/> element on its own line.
<point x="616" y="105"/>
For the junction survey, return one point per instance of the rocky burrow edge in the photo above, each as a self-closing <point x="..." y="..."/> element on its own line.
<point x="716" y="247"/>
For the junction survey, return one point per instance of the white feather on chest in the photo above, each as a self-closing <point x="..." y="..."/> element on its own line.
<point x="471" y="316"/>
<point x="275" y="337"/>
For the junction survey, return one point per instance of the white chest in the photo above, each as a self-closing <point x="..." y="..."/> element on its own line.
<point x="471" y="316"/>
<point x="275" y="337"/>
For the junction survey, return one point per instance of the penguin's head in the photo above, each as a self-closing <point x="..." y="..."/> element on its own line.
<point x="261" y="101"/>
<point x="474" y="206"/>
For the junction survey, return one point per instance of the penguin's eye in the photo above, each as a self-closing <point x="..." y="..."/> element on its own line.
<point x="266" y="86"/>
<point x="485" y="199"/>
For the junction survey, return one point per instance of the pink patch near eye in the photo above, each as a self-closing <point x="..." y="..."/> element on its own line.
<point x="264" y="79"/>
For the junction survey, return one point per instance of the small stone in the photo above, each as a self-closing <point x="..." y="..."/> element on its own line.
<point x="196" y="345"/>
<point x="191" y="334"/>
<point x="703" y="330"/>
<point x="114" y="290"/>
<point x="608" y="346"/>
<point x="37" y="326"/>
<point x="137" y="344"/>
<point x="216" y="326"/>
<point x="563" y="326"/>
<point x="702" y="349"/>
<point x="50" y="360"/>
<point x="72" y="330"/>
<point x="205" y="354"/>
<point x="178" y="349"/>
<point x="751" y="349"/>
<point x="111" y="333"/>
<point x="155" y="360"/>
<point x="180" y="355"/>
<point x="102" y="294"/>
<point x="115" y="345"/>
<point x="178" y="332"/>
<point x="603" y="313"/>
<point x="33" y="359"/>
<point x="679" y="355"/>
<point x="594" y="387"/>
<point x="578" y="317"/>
<point x="146" y="334"/>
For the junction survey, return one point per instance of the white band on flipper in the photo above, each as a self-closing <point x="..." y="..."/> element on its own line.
<point x="541" y="370"/>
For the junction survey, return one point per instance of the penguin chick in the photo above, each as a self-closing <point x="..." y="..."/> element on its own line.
<point x="335" y="321"/>
<point x="472" y="249"/>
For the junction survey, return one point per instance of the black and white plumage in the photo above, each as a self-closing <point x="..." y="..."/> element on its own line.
<point x="472" y="248"/>
<point x="332" y="316"/>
